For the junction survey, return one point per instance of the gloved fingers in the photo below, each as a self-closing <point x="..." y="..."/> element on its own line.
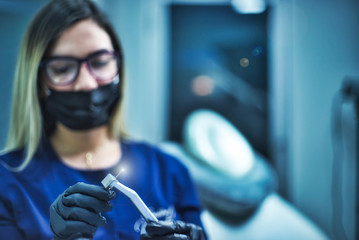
<point x="184" y="228"/>
<point x="90" y="190"/>
<point x="179" y="229"/>
<point x="69" y="229"/>
<point x="160" y="228"/>
<point x="87" y="230"/>
<point x="88" y="202"/>
<point x="80" y="214"/>
<point x="196" y="232"/>
<point x="174" y="236"/>
<point x="75" y="230"/>
<point x="166" y="227"/>
<point x="190" y="229"/>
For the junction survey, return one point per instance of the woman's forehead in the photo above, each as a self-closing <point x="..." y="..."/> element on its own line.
<point x="81" y="39"/>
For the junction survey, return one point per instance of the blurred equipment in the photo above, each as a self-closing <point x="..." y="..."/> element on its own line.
<point x="345" y="169"/>
<point x="231" y="178"/>
<point x="215" y="141"/>
<point x="235" y="184"/>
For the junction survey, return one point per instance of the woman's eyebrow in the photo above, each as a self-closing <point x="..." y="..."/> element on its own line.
<point x="89" y="55"/>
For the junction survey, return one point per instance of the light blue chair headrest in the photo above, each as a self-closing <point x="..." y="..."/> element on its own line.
<point x="231" y="178"/>
<point x="214" y="140"/>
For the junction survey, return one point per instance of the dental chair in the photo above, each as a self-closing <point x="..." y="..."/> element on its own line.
<point x="235" y="184"/>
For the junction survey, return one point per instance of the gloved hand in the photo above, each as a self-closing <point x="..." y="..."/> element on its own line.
<point x="77" y="211"/>
<point x="172" y="230"/>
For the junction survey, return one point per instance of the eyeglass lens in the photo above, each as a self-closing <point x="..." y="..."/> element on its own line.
<point x="103" y="67"/>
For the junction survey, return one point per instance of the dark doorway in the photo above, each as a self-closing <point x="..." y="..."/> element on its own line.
<point x="219" y="62"/>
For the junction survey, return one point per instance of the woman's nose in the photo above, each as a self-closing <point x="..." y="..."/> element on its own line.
<point x="85" y="81"/>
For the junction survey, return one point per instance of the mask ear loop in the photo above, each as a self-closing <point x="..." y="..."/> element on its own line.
<point x="116" y="79"/>
<point x="47" y="92"/>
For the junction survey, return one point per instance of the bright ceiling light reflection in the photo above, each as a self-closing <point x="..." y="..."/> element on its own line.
<point x="249" y="6"/>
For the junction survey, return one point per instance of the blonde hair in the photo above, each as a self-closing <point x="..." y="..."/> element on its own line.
<point x="27" y="121"/>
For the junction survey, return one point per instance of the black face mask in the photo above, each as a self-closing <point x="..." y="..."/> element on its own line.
<point x="83" y="110"/>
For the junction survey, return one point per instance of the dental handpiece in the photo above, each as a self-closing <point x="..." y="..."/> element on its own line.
<point x="110" y="182"/>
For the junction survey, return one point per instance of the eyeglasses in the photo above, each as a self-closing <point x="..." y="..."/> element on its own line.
<point x="103" y="66"/>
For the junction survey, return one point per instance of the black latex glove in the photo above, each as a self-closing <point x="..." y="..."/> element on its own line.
<point x="172" y="230"/>
<point x="77" y="211"/>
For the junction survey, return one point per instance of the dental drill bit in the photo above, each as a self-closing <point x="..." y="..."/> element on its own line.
<point x="110" y="182"/>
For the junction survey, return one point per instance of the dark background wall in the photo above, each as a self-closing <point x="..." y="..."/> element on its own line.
<point x="230" y="51"/>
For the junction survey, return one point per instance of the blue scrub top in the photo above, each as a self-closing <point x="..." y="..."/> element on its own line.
<point x="160" y="180"/>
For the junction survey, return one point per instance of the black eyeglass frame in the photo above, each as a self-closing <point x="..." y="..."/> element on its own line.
<point x="45" y="62"/>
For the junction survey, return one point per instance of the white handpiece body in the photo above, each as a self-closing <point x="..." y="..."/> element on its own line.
<point x="110" y="181"/>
